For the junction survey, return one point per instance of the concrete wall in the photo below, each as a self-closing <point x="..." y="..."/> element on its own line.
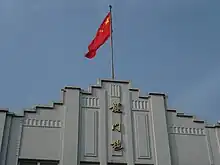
<point x="41" y="136"/>
<point x="192" y="141"/>
<point x="11" y="139"/>
<point x="3" y="133"/>
<point x="86" y="128"/>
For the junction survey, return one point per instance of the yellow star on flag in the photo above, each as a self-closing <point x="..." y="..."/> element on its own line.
<point x="107" y="21"/>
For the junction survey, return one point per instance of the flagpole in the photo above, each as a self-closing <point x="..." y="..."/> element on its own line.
<point x="111" y="45"/>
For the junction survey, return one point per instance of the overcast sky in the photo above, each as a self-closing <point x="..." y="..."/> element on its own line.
<point x="170" y="46"/>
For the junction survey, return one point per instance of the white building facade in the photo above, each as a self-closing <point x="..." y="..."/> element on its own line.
<point x="108" y="124"/>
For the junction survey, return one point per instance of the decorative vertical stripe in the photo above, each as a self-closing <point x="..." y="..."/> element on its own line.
<point x="115" y="90"/>
<point x="187" y="131"/>
<point x="90" y="102"/>
<point x="139" y="105"/>
<point x="18" y="145"/>
<point x="208" y="142"/>
<point x="29" y="122"/>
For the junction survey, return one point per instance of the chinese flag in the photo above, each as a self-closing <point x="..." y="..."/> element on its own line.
<point x="102" y="35"/>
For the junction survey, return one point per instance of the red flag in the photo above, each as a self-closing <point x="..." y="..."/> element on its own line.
<point x="102" y="35"/>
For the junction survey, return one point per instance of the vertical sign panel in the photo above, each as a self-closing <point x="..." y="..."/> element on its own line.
<point x="116" y="136"/>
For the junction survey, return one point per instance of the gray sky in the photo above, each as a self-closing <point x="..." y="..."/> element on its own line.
<point x="167" y="46"/>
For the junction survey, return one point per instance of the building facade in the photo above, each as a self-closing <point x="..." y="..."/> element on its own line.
<point x="108" y="124"/>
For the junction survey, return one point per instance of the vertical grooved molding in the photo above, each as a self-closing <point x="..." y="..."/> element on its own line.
<point x="62" y="135"/>
<point x="90" y="101"/>
<point x="217" y="137"/>
<point x="19" y="139"/>
<point x="115" y="90"/>
<point x="210" y="152"/>
<point x="139" y="105"/>
<point x="159" y="129"/>
<point x="2" y="124"/>
<point x="103" y="128"/>
<point x="5" y="142"/>
<point x="187" y="131"/>
<point x="127" y="100"/>
<point x="71" y="136"/>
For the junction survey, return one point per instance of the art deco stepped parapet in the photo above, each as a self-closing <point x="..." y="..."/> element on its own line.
<point x="4" y="110"/>
<point x="108" y="123"/>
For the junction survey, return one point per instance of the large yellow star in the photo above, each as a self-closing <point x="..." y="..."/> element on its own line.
<point x="107" y="21"/>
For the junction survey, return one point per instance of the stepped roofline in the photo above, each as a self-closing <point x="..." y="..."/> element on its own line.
<point x="100" y="85"/>
<point x="99" y="81"/>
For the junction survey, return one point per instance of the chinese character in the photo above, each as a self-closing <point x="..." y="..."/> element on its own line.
<point x="116" y="127"/>
<point x="116" y="108"/>
<point x="116" y="145"/>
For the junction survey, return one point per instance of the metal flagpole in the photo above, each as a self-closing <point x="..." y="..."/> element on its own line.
<point x="111" y="44"/>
